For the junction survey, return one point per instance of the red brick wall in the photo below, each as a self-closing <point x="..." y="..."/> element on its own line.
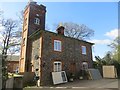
<point x="12" y="66"/>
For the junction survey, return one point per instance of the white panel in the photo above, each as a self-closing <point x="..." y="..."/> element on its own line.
<point x="59" y="77"/>
<point x="109" y="72"/>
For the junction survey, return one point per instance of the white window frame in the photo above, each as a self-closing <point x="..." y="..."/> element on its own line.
<point x="84" y="65"/>
<point x="37" y="21"/>
<point x="57" y="66"/>
<point x="84" y="50"/>
<point x="57" y="45"/>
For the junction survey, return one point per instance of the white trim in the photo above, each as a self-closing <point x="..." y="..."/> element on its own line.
<point x="57" y="66"/>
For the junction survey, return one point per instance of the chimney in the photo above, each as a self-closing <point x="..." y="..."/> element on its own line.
<point x="32" y="2"/>
<point x="60" y="29"/>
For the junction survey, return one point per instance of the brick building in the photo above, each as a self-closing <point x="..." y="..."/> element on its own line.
<point x="44" y="52"/>
<point x="12" y="63"/>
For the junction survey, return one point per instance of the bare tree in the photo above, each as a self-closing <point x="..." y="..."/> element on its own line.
<point x="10" y="39"/>
<point x="11" y="35"/>
<point x="77" y="31"/>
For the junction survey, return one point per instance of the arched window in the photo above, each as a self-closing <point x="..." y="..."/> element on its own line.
<point x="37" y="21"/>
<point x="84" y="65"/>
<point x="57" y="67"/>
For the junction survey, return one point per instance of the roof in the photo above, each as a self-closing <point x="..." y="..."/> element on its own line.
<point x="11" y="57"/>
<point x="37" y="32"/>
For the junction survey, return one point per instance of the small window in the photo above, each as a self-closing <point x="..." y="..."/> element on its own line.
<point x="57" y="45"/>
<point x="57" y="66"/>
<point x="23" y="41"/>
<point x="37" y="21"/>
<point x="25" y="21"/>
<point x="84" y="50"/>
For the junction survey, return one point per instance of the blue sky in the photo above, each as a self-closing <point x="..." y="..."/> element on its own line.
<point x="102" y="17"/>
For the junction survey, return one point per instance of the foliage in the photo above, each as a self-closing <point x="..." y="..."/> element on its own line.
<point x="111" y="57"/>
<point x="115" y="45"/>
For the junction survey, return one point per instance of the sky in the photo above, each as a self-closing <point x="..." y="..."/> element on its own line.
<point x="102" y="17"/>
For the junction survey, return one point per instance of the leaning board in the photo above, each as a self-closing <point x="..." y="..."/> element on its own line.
<point x="59" y="77"/>
<point x="94" y="74"/>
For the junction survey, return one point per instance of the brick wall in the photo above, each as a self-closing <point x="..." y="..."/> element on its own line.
<point x="12" y="66"/>
<point x="71" y="54"/>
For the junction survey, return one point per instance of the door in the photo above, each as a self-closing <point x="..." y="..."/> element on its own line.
<point x="73" y="67"/>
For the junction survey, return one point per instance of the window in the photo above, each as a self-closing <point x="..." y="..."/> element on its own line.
<point x="84" y="50"/>
<point x="84" y="65"/>
<point x="57" y="66"/>
<point x="25" y="21"/>
<point x="57" y="45"/>
<point x="37" y="21"/>
<point x="23" y="41"/>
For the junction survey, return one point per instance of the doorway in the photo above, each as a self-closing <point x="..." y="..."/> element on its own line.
<point x="73" y="67"/>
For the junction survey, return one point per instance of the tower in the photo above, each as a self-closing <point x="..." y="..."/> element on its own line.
<point x="34" y="19"/>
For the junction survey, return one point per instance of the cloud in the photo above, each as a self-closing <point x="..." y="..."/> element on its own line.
<point x="1" y="28"/>
<point x="1" y="38"/>
<point x="102" y="42"/>
<point x="112" y="34"/>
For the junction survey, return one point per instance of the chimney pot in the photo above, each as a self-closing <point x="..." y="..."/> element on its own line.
<point x="60" y="29"/>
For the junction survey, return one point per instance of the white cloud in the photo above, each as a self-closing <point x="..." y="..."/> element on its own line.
<point x="1" y="28"/>
<point x="102" y="42"/>
<point x="112" y="34"/>
<point x="1" y="38"/>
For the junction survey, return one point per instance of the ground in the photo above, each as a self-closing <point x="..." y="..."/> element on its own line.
<point x="103" y="84"/>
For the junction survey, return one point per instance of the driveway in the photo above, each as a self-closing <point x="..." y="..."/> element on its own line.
<point x="102" y="84"/>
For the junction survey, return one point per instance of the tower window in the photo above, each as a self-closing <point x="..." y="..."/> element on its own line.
<point x="25" y="21"/>
<point x="37" y="21"/>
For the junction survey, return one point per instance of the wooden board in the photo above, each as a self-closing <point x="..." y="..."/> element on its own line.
<point x="109" y="72"/>
<point x="94" y="74"/>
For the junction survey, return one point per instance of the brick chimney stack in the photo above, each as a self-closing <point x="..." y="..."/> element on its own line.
<point x="60" y="29"/>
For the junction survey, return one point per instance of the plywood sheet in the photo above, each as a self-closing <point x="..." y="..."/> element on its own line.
<point x="109" y="72"/>
<point x="94" y="74"/>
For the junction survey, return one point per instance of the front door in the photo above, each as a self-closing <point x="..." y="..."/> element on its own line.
<point x="73" y="67"/>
